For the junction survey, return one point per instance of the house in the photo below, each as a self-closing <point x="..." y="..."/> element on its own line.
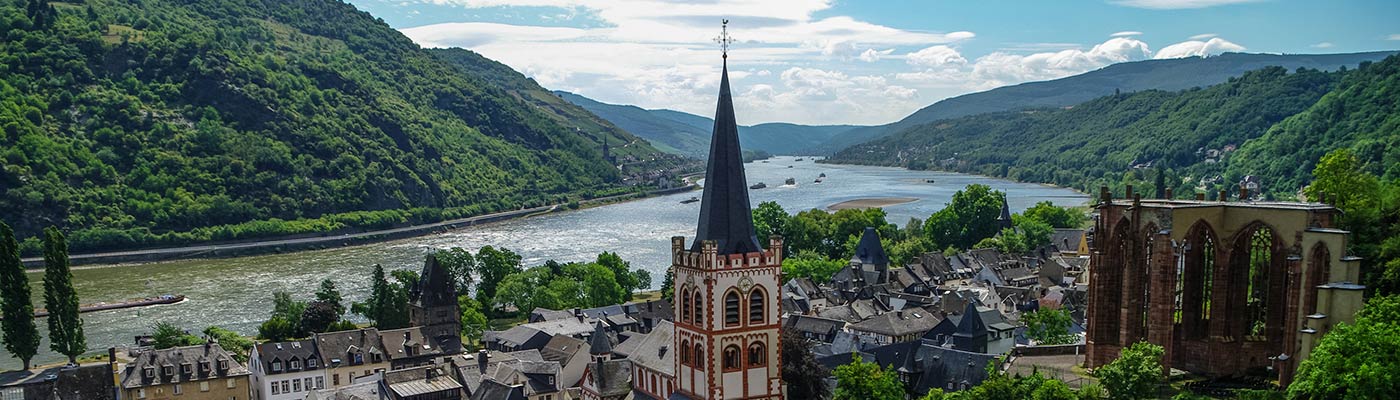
<point x="1070" y="242"/>
<point x="895" y="327"/>
<point x="200" y="372"/>
<point x="411" y="347"/>
<point x="976" y="330"/>
<point x="606" y="378"/>
<point x="352" y="354"/>
<point x="923" y="367"/>
<point x="84" y="382"/>
<point x="286" y="370"/>
<point x="572" y="356"/>
<point x="428" y="382"/>
<point x="813" y="328"/>
<point x="653" y="361"/>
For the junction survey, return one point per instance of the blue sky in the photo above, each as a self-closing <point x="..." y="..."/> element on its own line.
<point x="863" y="62"/>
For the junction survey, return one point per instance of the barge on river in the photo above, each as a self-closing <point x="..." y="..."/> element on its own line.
<point x="133" y="303"/>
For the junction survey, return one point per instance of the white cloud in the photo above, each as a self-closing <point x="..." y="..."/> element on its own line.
<point x="998" y="69"/>
<point x="1393" y="36"/>
<point x="872" y="55"/>
<point x="1126" y="34"/>
<point x="1323" y="45"/>
<point x="1203" y="36"/>
<point x="935" y="56"/>
<point x="1178" y="4"/>
<point x="1196" y="48"/>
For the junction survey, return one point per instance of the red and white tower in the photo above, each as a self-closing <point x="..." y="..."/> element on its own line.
<point x="726" y="283"/>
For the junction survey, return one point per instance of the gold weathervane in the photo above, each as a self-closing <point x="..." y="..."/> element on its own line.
<point x="724" y="39"/>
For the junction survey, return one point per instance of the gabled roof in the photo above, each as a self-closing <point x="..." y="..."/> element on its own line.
<point x="185" y="364"/>
<point x="561" y="349"/>
<point x="408" y="343"/>
<point x="418" y="381"/>
<point x="334" y="346"/>
<point x="284" y="352"/>
<point x="492" y="390"/>
<point x="599" y="343"/>
<point x="898" y="323"/>
<point x="435" y="288"/>
<point x="725" y="216"/>
<point x="653" y="351"/>
<point x="611" y="377"/>
<point x="869" y="250"/>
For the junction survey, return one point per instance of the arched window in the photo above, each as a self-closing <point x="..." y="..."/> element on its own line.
<point x="1257" y="295"/>
<point x="1119" y="246"/>
<point x="699" y="308"/>
<point x="731" y="308"/>
<point x="1319" y="266"/>
<point x="731" y="358"/>
<point x="685" y="352"/>
<point x="685" y="306"/>
<point x="700" y="356"/>
<point x="1198" y="279"/>
<point x="757" y="354"/>
<point x="756" y="304"/>
<point x="1144" y="280"/>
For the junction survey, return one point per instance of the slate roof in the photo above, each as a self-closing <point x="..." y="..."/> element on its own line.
<point x="869" y="250"/>
<point x="492" y="390"/>
<point x="285" y="352"/>
<point x="653" y="351"/>
<point x="935" y="366"/>
<point x="86" y="382"/>
<point x="725" y="216"/>
<point x="822" y="327"/>
<point x="599" y="343"/>
<point x="336" y="348"/>
<point x="517" y="337"/>
<point x="435" y="288"/>
<point x="561" y="349"/>
<point x="358" y="391"/>
<point x="898" y="323"/>
<point x="1066" y="240"/>
<point x="424" y="380"/>
<point x="181" y="364"/>
<point x="612" y="377"/>
<point x="409" y="343"/>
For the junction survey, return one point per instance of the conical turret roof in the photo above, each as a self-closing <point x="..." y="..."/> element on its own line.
<point x="725" y="216"/>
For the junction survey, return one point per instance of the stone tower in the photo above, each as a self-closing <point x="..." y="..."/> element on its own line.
<point x="727" y="284"/>
<point x="433" y="306"/>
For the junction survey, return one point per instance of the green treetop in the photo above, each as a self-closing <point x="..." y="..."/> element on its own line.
<point x="65" y="326"/>
<point x="21" y="336"/>
<point x="862" y="380"/>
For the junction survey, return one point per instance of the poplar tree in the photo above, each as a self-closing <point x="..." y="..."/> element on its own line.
<point x="65" y="327"/>
<point x="21" y="336"/>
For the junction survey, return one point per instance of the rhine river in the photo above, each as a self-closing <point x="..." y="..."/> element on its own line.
<point x="236" y="293"/>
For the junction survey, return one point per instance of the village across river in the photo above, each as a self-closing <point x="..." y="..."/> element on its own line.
<point x="236" y="293"/>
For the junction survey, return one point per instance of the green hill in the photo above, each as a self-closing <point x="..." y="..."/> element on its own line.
<point x="1169" y="75"/>
<point x="164" y="122"/>
<point x="1191" y="135"/>
<point x="689" y="134"/>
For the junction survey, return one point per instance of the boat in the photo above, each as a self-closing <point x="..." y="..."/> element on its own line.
<point x="929" y="180"/>
<point x="823" y="175"/>
<point x="790" y="182"/>
<point x="133" y="303"/>
<point x="799" y="160"/>
<point x="819" y="179"/>
<point x="757" y="186"/>
<point x="690" y="200"/>
<point x="789" y="166"/>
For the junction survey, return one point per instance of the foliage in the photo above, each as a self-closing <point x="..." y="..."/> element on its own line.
<point x="329" y="295"/>
<point x="1048" y="326"/>
<point x="20" y="334"/>
<point x="1370" y="210"/>
<point x="557" y="286"/>
<point x="387" y="305"/>
<point x="493" y="265"/>
<point x="1055" y="216"/>
<point x="319" y="317"/>
<point x="968" y="219"/>
<point x="232" y="342"/>
<point x="285" y="321"/>
<point x="769" y="219"/>
<point x="812" y="265"/>
<point x="1356" y="361"/>
<point x="829" y="233"/>
<point x="474" y="322"/>
<point x="1135" y="374"/>
<point x="167" y="335"/>
<point x="668" y="285"/>
<point x="166" y="122"/>
<point x="622" y="273"/>
<point x="804" y="376"/>
<point x="862" y="380"/>
<point x="61" y="300"/>
<point x="460" y="264"/>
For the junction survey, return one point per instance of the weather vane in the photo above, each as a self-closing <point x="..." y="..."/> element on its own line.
<point x="724" y="39"/>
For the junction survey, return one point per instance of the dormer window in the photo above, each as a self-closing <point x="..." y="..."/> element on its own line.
<point x="186" y="368"/>
<point x="167" y="370"/>
<point x="276" y="366"/>
<point x="149" y="372"/>
<point x="311" y="363"/>
<point x="295" y="365"/>
<point x="223" y="364"/>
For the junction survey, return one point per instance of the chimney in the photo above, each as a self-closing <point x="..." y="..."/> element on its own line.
<point x="481" y="357"/>
<point x="1129" y="192"/>
<point x="1222" y="195"/>
<point x="1244" y="192"/>
<point x="1200" y="196"/>
<point x="578" y="313"/>
<point x="1169" y="193"/>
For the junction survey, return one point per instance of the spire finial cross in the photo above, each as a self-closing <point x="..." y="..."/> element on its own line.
<point x="724" y="39"/>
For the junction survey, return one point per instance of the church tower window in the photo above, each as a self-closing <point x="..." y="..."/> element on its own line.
<point x="731" y="308"/>
<point x="756" y="306"/>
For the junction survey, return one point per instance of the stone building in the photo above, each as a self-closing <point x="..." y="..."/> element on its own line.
<point x="1258" y="281"/>
<point x="286" y="370"/>
<point x="433" y="307"/>
<point x="200" y="372"/>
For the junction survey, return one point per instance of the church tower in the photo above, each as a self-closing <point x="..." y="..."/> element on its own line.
<point x="433" y="306"/>
<point x="726" y="283"/>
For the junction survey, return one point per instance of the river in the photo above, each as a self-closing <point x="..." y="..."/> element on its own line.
<point x="236" y="293"/>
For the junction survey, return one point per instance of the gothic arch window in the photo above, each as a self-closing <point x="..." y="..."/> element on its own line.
<point x="1257" y="269"/>
<point x="731" y="358"/>
<point x="1110" y="295"/>
<point x="1319" y="269"/>
<point x="1198" y="276"/>
<point x="699" y="308"/>
<point x="685" y="352"/>
<point x="731" y="308"/>
<point x="756" y="305"/>
<point x="699" y="356"/>
<point x="685" y="305"/>
<point x="758" y="355"/>
<point x="1144" y="279"/>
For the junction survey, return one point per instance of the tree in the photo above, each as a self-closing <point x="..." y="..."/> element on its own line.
<point x="810" y="264"/>
<point x="668" y="285"/>
<point x="805" y="377"/>
<point x="21" y="336"/>
<point x="1049" y="326"/>
<point x="235" y="343"/>
<point x="643" y="278"/>
<point x="600" y="288"/>
<point x="65" y="326"/>
<point x="284" y="322"/>
<point x="277" y="329"/>
<point x="328" y="294"/>
<point x="474" y="322"/>
<point x="622" y="274"/>
<point x="1057" y="217"/>
<point x="1357" y="360"/>
<point x="459" y="264"/>
<point x="769" y="218"/>
<point x="862" y="380"/>
<point x="166" y="335"/>
<point x="318" y="317"/>
<point x="968" y="219"/>
<point x="493" y="265"/>
<point x="1135" y="374"/>
<point x="1339" y="180"/>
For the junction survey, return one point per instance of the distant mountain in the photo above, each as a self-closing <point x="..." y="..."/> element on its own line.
<point x="1170" y="75"/>
<point x="689" y="134"/>
<point x="1272" y="123"/>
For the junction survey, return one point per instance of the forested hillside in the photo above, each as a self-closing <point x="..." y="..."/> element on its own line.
<point x="1192" y="136"/>
<point x="162" y="122"/>
<point x="1171" y="75"/>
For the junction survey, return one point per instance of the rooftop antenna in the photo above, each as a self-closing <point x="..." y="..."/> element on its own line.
<point x="724" y="39"/>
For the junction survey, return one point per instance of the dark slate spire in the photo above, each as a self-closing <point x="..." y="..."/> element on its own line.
<point x="725" y="216"/>
<point x="1004" y="220"/>
<point x="869" y="250"/>
<point x="435" y="287"/>
<point x="599" y="344"/>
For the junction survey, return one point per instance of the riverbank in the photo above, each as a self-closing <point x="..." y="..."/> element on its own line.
<point x="874" y="202"/>
<point x="300" y="243"/>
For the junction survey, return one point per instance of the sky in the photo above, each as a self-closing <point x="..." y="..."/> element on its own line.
<point x="862" y="62"/>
